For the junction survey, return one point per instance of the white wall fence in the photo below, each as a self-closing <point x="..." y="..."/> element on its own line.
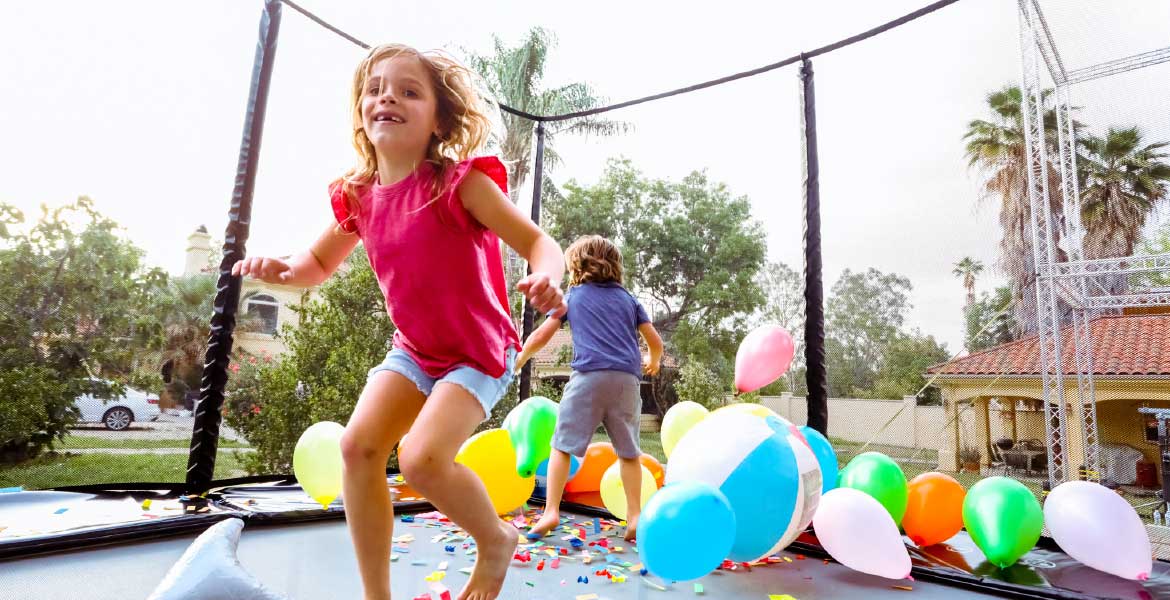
<point x="904" y="423"/>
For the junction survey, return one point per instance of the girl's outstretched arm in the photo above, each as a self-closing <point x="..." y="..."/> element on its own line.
<point x="537" y="340"/>
<point x="484" y="200"/>
<point x="306" y="269"/>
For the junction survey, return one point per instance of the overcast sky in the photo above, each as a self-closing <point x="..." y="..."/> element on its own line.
<point x="140" y="106"/>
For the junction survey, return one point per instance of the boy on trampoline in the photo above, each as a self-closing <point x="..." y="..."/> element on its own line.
<point x="607" y="372"/>
<point x="431" y="218"/>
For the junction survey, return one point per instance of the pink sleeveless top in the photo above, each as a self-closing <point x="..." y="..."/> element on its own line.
<point x="439" y="269"/>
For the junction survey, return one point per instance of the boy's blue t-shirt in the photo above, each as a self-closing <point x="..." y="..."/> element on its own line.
<point x="604" y="318"/>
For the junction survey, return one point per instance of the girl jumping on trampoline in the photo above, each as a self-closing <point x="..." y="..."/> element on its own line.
<point x="431" y="218"/>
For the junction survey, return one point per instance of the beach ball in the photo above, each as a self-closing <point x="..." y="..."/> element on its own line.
<point x="756" y="464"/>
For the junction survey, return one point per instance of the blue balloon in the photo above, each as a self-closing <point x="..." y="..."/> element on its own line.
<point x="685" y="531"/>
<point x="574" y="466"/>
<point x="826" y="457"/>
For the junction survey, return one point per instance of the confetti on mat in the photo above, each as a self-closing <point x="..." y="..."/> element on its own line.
<point x="780" y="597"/>
<point x="587" y="597"/>
<point x="903" y="587"/>
<point x="698" y="588"/>
<point x="443" y="566"/>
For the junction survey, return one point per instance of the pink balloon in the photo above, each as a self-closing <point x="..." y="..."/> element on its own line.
<point x="763" y="356"/>
<point x="859" y="533"/>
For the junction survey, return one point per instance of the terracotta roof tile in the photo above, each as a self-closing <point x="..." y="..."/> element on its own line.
<point x="1122" y="345"/>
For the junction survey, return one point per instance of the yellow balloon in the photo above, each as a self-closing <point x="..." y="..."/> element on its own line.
<point x="491" y="455"/>
<point x="317" y="461"/>
<point x="750" y="408"/>
<point x="613" y="493"/>
<point x="678" y="420"/>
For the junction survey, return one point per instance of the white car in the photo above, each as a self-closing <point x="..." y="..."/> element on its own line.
<point x="118" y="413"/>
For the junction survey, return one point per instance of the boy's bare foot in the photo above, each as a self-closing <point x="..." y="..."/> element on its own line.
<point x="548" y="521"/>
<point x="491" y="564"/>
<point x="631" y="529"/>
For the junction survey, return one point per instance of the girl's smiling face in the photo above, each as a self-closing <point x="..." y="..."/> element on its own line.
<point x="399" y="107"/>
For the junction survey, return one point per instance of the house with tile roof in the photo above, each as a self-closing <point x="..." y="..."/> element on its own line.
<point x="1131" y="369"/>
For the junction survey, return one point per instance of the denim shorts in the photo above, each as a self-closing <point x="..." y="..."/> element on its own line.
<point x="486" y="389"/>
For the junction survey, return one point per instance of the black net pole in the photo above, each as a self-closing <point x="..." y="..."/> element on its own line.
<point x="205" y="434"/>
<point x="529" y="316"/>
<point x="816" y="376"/>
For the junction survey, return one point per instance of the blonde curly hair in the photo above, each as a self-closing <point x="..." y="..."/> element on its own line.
<point x="464" y="126"/>
<point x="593" y="259"/>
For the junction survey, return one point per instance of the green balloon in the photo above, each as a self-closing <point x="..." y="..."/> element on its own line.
<point x="531" y="425"/>
<point x="879" y="476"/>
<point x="1004" y="519"/>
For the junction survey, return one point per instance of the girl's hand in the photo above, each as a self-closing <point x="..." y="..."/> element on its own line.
<point x="268" y="270"/>
<point x="543" y="293"/>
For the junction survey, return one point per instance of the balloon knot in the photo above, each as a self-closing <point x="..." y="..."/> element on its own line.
<point x="1143" y="576"/>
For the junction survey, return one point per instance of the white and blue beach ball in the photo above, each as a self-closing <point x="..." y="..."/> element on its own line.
<point x="809" y="494"/>
<point x="767" y="481"/>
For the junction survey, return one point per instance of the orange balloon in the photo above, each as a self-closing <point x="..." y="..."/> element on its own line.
<point x="934" y="509"/>
<point x="598" y="457"/>
<point x="654" y="467"/>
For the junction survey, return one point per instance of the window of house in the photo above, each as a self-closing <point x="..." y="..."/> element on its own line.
<point x="263" y="308"/>
<point x="1151" y="429"/>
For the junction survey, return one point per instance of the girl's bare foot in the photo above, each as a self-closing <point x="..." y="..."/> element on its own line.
<point x="491" y="564"/>
<point x="548" y="521"/>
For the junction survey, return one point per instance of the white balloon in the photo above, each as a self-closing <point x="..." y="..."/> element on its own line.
<point x="1097" y="527"/>
<point x="859" y="533"/>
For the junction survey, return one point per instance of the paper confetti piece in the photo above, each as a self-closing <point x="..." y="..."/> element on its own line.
<point x="393" y="558"/>
<point x="418" y="563"/>
<point x="435" y="576"/>
<point x="443" y="566"/>
<point x="903" y="587"/>
<point x="780" y="597"/>
<point x="587" y="597"/>
<point x="60" y="511"/>
<point x="465" y="570"/>
<point x="787" y="560"/>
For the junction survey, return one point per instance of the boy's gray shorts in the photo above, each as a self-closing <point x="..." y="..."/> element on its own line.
<point x="595" y="397"/>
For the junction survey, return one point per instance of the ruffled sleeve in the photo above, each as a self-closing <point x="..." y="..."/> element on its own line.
<point x="346" y="221"/>
<point x="490" y="166"/>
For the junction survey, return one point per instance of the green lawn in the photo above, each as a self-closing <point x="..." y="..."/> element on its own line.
<point x="81" y="469"/>
<point x="650" y="442"/>
<point x="76" y="441"/>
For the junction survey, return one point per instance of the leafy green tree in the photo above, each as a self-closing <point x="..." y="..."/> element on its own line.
<point x="903" y="364"/>
<point x="1157" y="243"/>
<point x="864" y="315"/>
<point x="74" y="305"/>
<point x="689" y="247"/>
<point x="697" y="383"/>
<point x="990" y="320"/>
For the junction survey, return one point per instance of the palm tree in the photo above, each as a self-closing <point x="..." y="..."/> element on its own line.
<point x="996" y="148"/>
<point x="1123" y="181"/>
<point x="968" y="269"/>
<point x="514" y="74"/>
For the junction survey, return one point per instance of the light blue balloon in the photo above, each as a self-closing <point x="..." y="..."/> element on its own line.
<point x="826" y="457"/>
<point x="685" y="531"/>
<point x="574" y="466"/>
